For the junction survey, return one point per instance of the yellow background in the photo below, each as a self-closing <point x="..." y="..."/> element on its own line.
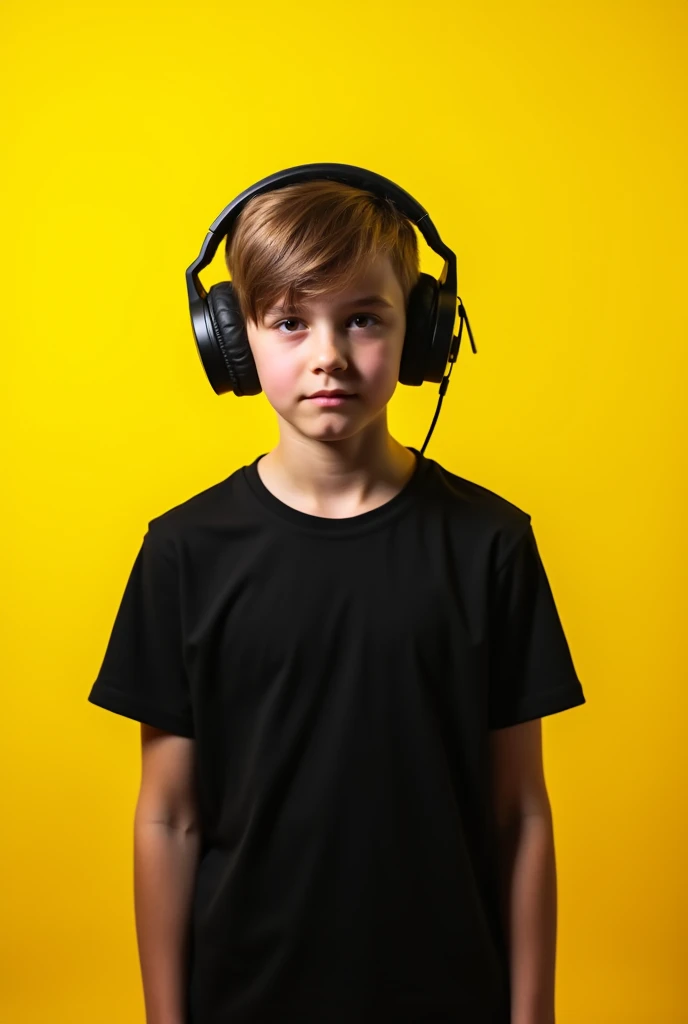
<point x="548" y="143"/>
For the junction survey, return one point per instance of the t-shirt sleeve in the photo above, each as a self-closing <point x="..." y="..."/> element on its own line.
<point x="143" y="675"/>
<point x="531" y="669"/>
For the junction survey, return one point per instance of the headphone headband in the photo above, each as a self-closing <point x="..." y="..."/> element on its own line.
<point x="348" y="174"/>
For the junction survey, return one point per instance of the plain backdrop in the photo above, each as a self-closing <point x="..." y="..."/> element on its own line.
<point x="548" y="143"/>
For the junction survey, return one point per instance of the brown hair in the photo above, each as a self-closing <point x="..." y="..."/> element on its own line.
<point x="302" y="240"/>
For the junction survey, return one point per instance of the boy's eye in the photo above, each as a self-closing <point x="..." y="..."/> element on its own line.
<point x="293" y="320"/>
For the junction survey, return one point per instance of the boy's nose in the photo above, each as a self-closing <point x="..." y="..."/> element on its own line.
<point x="329" y="346"/>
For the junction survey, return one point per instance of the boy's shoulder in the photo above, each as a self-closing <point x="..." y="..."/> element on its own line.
<point x="485" y="526"/>
<point x="213" y="503"/>
<point x="470" y="495"/>
<point x="479" y="509"/>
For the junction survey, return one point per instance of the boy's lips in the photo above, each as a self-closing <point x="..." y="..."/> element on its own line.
<point x="336" y="393"/>
<point x="331" y="401"/>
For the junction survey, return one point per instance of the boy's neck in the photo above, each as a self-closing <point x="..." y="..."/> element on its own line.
<point x="339" y="480"/>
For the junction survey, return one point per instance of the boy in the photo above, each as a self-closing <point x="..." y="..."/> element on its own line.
<point x="339" y="656"/>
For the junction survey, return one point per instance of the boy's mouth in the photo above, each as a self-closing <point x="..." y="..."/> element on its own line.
<point x="334" y="400"/>
<point x="332" y="393"/>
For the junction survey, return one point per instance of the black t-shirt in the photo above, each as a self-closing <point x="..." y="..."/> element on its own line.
<point x="339" y="678"/>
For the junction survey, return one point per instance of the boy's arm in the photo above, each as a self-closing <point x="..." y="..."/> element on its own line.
<point x="528" y="868"/>
<point x="166" y="849"/>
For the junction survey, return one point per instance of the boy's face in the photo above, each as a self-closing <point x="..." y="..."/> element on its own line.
<point x="336" y="341"/>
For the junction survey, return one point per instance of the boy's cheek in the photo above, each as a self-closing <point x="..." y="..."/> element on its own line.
<point x="281" y="384"/>
<point x="277" y="379"/>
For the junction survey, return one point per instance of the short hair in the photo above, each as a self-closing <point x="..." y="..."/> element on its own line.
<point x="303" y="240"/>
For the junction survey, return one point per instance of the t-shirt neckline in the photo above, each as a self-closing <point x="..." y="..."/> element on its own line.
<point x="383" y="514"/>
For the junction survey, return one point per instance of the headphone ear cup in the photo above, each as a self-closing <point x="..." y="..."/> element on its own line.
<point x="420" y="321"/>
<point x="229" y="329"/>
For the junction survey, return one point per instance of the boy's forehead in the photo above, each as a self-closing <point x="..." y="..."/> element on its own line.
<point x="374" y="286"/>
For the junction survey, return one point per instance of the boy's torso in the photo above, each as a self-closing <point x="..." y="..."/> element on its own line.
<point x="338" y="676"/>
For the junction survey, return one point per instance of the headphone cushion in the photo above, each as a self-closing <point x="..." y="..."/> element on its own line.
<point x="232" y="339"/>
<point x="420" y="316"/>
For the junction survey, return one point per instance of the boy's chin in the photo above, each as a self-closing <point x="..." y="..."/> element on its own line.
<point x="324" y="426"/>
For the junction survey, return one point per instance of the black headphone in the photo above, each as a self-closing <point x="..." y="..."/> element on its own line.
<point x="429" y="342"/>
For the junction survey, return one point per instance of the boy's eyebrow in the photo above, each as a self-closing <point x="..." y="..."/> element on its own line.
<point x="365" y="300"/>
